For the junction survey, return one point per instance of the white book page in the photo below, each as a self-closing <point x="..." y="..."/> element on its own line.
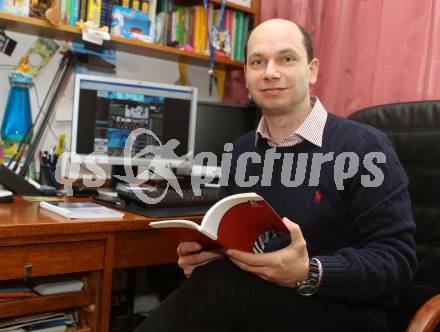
<point x="212" y="218"/>
<point x="175" y="223"/>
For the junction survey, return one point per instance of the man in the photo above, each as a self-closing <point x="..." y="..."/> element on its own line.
<point x="351" y="233"/>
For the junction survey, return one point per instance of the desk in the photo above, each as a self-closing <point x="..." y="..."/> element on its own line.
<point x="35" y="242"/>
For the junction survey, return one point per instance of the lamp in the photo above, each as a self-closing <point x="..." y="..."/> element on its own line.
<point x="8" y="175"/>
<point x="17" y="118"/>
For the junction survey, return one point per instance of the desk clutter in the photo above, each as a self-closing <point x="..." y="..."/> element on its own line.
<point x="48" y="162"/>
<point x="14" y="291"/>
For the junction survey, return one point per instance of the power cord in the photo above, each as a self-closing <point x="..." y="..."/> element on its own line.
<point x="37" y="100"/>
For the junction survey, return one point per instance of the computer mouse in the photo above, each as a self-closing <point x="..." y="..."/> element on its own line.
<point x="6" y="196"/>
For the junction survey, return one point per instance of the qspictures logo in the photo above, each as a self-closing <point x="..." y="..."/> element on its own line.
<point x="155" y="166"/>
<point x="345" y="166"/>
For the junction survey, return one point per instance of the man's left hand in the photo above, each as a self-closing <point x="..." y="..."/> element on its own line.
<point x="284" y="267"/>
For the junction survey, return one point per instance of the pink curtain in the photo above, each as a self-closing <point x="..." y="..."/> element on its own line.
<point x="372" y="52"/>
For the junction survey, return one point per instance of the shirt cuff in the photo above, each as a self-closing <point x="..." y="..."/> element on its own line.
<point x="333" y="275"/>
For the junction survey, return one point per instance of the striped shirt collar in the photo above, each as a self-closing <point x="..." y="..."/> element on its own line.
<point x="311" y="129"/>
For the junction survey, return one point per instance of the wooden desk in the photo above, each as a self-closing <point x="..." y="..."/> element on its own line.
<point x="35" y="242"/>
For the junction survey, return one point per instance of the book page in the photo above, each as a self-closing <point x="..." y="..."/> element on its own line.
<point x="213" y="217"/>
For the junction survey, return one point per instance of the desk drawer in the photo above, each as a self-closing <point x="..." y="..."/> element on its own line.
<point x="50" y="259"/>
<point x="143" y="248"/>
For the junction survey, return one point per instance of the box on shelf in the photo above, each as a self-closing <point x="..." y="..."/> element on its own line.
<point x="243" y="3"/>
<point x="16" y="7"/>
<point x="132" y="24"/>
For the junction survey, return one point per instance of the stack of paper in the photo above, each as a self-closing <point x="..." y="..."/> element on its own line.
<point x="50" y="322"/>
<point x="59" y="287"/>
<point x="81" y="210"/>
<point x="15" y="293"/>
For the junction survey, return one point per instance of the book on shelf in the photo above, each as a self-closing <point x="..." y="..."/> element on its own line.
<point x="7" y="294"/>
<point x="81" y="210"/>
<point x="235" y="222"/>
<point x="47" y="322"/>
<point x="94" y="11"/>
<point x="15" y="290"/>
<point x="106" y="13"/>
<point x="15" y="295"/>
<point x="49" y="326"/>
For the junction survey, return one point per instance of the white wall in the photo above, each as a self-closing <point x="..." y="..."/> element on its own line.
<point x="130" y="66"/>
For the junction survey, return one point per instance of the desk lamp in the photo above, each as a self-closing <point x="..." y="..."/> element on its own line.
<point x="17" y="118"/>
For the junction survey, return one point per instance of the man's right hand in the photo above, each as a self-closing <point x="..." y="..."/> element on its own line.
<point x="191" y="255"/>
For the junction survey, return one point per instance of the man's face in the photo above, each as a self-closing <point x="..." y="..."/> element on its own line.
<point x="277" y="71"/>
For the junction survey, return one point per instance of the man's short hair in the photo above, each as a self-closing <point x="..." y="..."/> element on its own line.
<point x="307" y="41"/>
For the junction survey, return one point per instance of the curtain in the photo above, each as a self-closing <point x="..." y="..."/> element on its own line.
<point x="371" y="52"/>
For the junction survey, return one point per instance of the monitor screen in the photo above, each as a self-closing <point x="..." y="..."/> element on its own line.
<point x="107" y="110"/>
<point x="218" y="124"/>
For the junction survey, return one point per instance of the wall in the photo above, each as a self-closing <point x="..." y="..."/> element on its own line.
<point x="129" y="66"/>
<point x="371" y="52"/>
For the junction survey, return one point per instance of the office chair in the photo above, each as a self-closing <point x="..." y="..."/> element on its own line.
<point x="414" y="130"/>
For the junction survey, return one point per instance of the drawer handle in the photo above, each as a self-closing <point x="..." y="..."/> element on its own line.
<point x="27" y="271"/>
<point x="90" y="308"/>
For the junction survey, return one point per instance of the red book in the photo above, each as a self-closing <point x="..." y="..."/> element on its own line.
<point x="12" y="295"/>
<point x="235" y="222"/>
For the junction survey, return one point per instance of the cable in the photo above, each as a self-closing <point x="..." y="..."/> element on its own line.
<point x="66" y="66"/>
<point x="37" y="99"/>
<point x="49" y="125"/>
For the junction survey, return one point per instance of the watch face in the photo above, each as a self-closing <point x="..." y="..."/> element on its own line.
<point x="309" y="286"/>
<point x="307" y="290"/>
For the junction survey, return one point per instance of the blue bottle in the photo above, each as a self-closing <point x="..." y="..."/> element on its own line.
<point x="18" y="117"/>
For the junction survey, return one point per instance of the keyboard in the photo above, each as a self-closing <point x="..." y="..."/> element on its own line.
<point x="208" y="197"/>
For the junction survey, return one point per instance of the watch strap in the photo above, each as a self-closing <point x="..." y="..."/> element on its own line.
<point x="310" y="285"/>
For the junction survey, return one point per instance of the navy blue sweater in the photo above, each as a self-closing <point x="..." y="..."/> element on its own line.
<point x="363" y="236"/>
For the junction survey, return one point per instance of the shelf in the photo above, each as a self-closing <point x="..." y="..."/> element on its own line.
<point x="35" y="26"/>
<point x="46" y="303"/>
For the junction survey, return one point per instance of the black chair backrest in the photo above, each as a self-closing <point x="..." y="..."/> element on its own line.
<point x="414" y="130"/>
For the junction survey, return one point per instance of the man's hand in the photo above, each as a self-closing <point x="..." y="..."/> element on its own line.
<point x="284" y="267"/>
<point x="191" y="256"/>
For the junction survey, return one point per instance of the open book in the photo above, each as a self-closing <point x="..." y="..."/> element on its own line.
<point x="235" y="222"/>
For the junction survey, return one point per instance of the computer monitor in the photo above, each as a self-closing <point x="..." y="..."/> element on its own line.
<point x="218" y="124"/>
<point x="106" y="110"/>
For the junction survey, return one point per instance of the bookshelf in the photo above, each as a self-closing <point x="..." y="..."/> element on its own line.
<point x="37" y="259"/>
<point x="39" y="27"/>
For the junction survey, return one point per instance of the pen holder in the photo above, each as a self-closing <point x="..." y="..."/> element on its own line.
<point x="47" y="175"/>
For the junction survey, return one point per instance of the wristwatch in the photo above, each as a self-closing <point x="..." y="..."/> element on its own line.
<point x="310" y="285"/>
